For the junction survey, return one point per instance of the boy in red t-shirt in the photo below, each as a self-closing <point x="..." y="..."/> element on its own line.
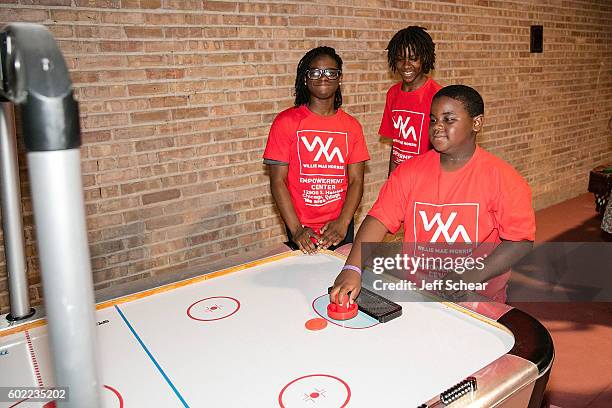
<point x="468" y="198"/>
<point x="411" y="54"/>
<point x="316" y="156"/>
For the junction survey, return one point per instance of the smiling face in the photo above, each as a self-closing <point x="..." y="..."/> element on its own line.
<point x="410" y="68"/>
<point x="452" y="131"/>
<point x="323" y="88"/>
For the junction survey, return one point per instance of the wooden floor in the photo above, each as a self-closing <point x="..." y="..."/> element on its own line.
<point x="582" y="332"/>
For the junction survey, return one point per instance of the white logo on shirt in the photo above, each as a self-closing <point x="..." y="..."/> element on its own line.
<point x="323" y="149"/>
<point x="404" y="131"/>
<point x="444" y="227"/>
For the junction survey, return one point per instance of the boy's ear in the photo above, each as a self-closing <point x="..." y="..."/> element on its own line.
<point x="477" y="123"/>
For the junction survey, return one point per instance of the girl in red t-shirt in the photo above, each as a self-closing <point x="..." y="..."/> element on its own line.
<point x="316" y="156"/>
<point x="455" y="195"/>
<point x="411" y="54"/>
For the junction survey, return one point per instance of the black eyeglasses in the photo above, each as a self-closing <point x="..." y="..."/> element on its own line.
<point x="316" y="73"/>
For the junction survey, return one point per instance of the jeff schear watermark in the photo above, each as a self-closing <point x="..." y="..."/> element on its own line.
<point x="432" y="286"/>
<point x="33" y="394"/>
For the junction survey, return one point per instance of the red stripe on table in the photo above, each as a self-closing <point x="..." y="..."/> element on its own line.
<point x="33" y="358"/>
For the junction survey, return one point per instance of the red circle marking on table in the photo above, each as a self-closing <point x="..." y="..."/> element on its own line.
<point x="208" y="298"/>
<point x="348" y="389"/>
<point x="116" y="394"/>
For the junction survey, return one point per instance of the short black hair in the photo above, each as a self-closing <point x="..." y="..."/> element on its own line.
<point x="469" y="97"/>
<point x="302" y="95"/>
<point x="419" y="45"/>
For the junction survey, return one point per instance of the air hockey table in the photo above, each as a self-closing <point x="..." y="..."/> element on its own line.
<point x="237" y="338"/>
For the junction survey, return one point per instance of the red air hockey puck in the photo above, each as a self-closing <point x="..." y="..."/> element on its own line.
<point x="344" y="312"/>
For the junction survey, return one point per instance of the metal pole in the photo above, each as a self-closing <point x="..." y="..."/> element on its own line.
<point x="35" y="77"/>
<point x="59" y="211"/>
<point x="12" y="224"/>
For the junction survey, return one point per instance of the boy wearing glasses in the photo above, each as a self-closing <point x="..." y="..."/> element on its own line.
<point x="316" y="156"/>
<point x="411" y="54"/>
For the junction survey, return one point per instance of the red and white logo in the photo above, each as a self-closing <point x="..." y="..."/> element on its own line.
<point x="322" y="153"/>
<point x="446" y="223"/>
<point x="409" y="126"/>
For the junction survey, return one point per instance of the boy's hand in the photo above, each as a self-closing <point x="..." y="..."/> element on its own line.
<point x="347" y="281"/>
<point x="302" y="237"/>
<point x="333" y="233"/>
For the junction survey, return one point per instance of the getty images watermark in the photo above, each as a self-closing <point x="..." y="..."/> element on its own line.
<point x="424" y="272"/>
<point x="550" y="272"/>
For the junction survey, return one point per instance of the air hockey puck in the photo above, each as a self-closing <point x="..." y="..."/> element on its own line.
<point x="316" y="324"/>
<point x="344" y="312"/>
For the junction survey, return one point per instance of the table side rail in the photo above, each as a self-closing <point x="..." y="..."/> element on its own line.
<point x="21" y="327"/>
<point x="506" y="382"/>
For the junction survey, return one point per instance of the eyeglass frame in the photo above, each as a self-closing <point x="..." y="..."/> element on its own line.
<point x="324" y="71"/>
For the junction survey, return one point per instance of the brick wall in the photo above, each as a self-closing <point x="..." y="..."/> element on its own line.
<point x="177" y="97"/>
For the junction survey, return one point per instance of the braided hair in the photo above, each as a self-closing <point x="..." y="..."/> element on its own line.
<point x="302" y="95"/>
<point x="419" y="45"/>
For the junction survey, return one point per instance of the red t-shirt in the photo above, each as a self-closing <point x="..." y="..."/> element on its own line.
<point x="318" y="150"/>
<point x="406" y="119"/>
<point x="476" y="205"/>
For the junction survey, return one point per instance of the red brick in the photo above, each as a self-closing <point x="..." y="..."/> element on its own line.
<point x="152" y="116"/>
<point x="162" y="222"/>
<point x="61" y="31"/>
<point x="258" y="107"/>
<point x="96" y="121"/>
<point x="117" y="176"/>
<point x="74" y="15"/>
<point x="161" y="73"/>
<point x="168" y="101"/>
<point x="98" y="3"/>
<point x="272" y="20"/>
<point x="146" y="60"/>
<point x="164" y="47"/>
<point x="98" y="222"/>
<point x="237" y="19"/>
<point x="166" y="195"/>
<point x="183" y="4"/>
<point x="99" y="62"/>
<point x="121" y="46"/>
<point x="213" y="5"/>
<point x="10" y="15"/>
<point x="123" y="18"/>
<point x="180" y="180"/>
<point x="150" y="4"/>
<point x="165" y="19"/>
<point x="83" y="77"/>
<point x="133" y="132"/>
<point x="143" y="32"/>
<point x="157" y="170"/>
<point x="147" y="89"/>
<point x="190" y="113"/>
